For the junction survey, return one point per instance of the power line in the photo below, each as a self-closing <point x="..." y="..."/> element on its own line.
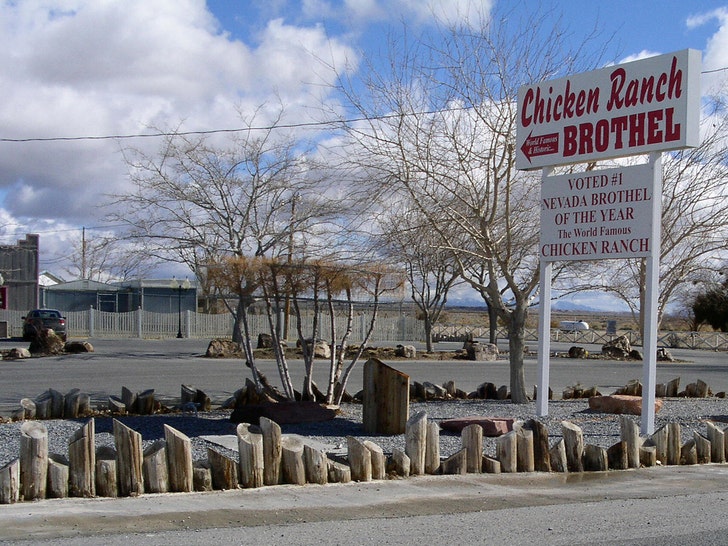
<point x="301" y="125"/>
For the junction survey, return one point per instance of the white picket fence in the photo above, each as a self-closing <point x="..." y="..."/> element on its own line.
<point x="390" y="327"/>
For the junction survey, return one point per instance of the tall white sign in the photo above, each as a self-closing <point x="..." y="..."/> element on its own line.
<point x="634" y="108"/>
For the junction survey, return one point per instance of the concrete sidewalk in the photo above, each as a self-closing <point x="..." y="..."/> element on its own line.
<point x="287" y="505"/>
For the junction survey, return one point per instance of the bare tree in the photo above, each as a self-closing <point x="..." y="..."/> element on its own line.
<point x="440" y="132"/>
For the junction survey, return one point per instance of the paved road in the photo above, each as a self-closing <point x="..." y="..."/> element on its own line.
<point x="674" y="505"/>
<point x="164" y="365"/>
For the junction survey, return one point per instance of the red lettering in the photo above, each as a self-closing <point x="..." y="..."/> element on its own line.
<point x="569" y="140"/>
<point x="637" y="130"/>
<point x="672" y="130"/>
<point x="654" y="133"/>
<point x="527" y="100"/>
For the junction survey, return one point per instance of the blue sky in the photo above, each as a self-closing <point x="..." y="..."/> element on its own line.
<point x="87" y="68"/>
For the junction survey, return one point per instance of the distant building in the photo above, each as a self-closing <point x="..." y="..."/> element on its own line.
<point x="19" y="269"/>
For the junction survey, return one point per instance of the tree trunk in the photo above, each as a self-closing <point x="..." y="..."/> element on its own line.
<point x="516" y="347"/>
<point x="428" y="333"/>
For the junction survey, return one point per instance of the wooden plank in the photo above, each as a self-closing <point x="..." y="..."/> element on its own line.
<point x="385" y="406"/>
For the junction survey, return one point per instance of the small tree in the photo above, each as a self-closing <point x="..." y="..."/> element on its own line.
<point x="711" y="307"/>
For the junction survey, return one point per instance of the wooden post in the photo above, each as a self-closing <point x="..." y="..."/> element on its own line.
<point x="10" y="482"/>
<point x="541" y="457"/>
<point x="630" y="433"/>
<point x="106" y="482"/>
<point x="595" y="458"/>
<point x="271" y="451"/>
<point x="472" y="440"/>
<point x="201" y="476"/>
<point x="432" y="448"/>
<point x="82" y="461"/>
<point x="71" y="403"/>
<point x="57" y="477"/>
<point x="648" y="455"/>
<point x="33" y="460"/>
<point x="145" y="402"/>
<point x="415" y="442"/>
<point x="524" y="450"/>
<point x="179" y="461"/>
<point x="339" y="473"/>
<point x="574" y="445"/>
<point x="457" y="463"/>
<point x="154" y="468"/>
<point x="385" y="405"/>
<point x="491" y="466"/>
<point x="379" y="461"/>
<point x="507" y="451"/>
<point x="250" y="449"/>
<point x="674" y="434"/>
<point x="557" y="456"/>
<point x="659" y="439"/>
<point x="401" y="463"/>
<point x="702" y="448"/>
<point x="292" y="468"/>
<point x="223" y="470"/>
<point x="717" y="443"/>
<point x="317" y="465"/>
<point x="360" y="460"/>
<point x="129" y="399"/>
<point x="28" y="407"/>
<point x="688" y="453"/>
<point x="116" y="406"/>
<point x="129" y="460"/>
<point x="617" y="456"/>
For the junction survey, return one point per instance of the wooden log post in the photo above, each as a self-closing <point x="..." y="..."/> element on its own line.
<point x="379" y="460"/>
<point x="457" y="463"/>
<point x="57" y="487"/>
<point x="71" y="404"/>
<point x="10" y="482"/>
<point x="385" y="406"/>
<point x="316" y="464"/>
<point x="82" y="461"/>
<point x="106" y="481"/>
<point x="28" y="407"/>
<point x="360" y="460"/>
<point x="472" y="440"/>
<point x="541" y="457"/>
<point x="574" y="445"/>
<point x="223" y="469"/>
<point x="659" y="439"/>
<point x="507" y="451"/>
<point x="525" y="460"/>
<point x="688" y="453"/>
<point x="271" y="451"/>
<point x="674" y="437"/>
<point x="617" y="456"/>
<point x="179" y="461"/>
<point x="702" y="448"/>
<point x="557" y="456"/>
<point x="293" y="470"/>
<point x="129" y="460"/>
<point x="145" y="402"/>
<point x="648" y="455"/>
<point x="201" y="476"/>
<point x="33" y="460"/>
<point x="416" y="442"/>
<point x="672" y="388"/>
<point x="401" y="463"/>
<point x="432" y="448"/>
<point x="491" y="465"/>
<point x="116" y="406"/>
<point x="717" y="443"/>
<point x="630" y="433"/>
<point x="57" y="404"/>
<point x="338" y="472"/>
<point x="44" y="406"/>
<point x="129" y="399"/>
<point x="196" y="397"/>
<point x="250" y="450"/>
<point x="595" y="458"/>
<point x="155" y="469"/>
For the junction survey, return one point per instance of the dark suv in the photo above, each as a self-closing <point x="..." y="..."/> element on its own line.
<point x="43" y="319"/>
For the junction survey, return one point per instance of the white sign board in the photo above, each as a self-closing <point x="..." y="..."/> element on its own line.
<point x="597" y="215"/>
<point x="634" y="108"/>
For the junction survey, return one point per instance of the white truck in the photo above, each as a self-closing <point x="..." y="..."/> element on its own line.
<point x="573" y="325"/>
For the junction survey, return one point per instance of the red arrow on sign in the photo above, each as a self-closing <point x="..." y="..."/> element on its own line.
<point x="540" y="145"/>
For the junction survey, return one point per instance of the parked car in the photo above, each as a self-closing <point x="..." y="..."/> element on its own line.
<point x="43" y="319"/>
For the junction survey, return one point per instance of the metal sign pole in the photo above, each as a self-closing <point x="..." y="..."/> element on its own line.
<point x="544" y="328"/>
<point x="652" y="284"/>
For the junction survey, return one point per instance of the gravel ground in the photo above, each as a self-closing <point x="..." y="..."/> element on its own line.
<point x="598" y="428"/>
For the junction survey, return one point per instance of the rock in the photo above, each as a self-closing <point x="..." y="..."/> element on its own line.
<point x="663" y="355"/>
<point x="224" y="348"/>
<point x="620" y="404"/>
<point x="78" y="347"/>
<point x="492" y="426"/>
<point x="634" y="354"/>
<point x="619" y="347"/>
<point x="406" y="351"/>
<point x="47" y="343"/>
<point x="481" y="352"/>
<point x="265" y="341"/>
<point x="578" y="352"/>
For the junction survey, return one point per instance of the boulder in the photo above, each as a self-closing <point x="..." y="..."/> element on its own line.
<point x="19" y="352"/>
<point x="406" y="351"/>
<point x="578" y="352"/>
<point x="79" y="347"/>
<point x="224" y="348"/>
<point x="619" y="347"/>
<point x="492" y="426"/>
<point x="481" y="352"/>
<point x="663" y="355"/>
<point x="47" y="343"/>
<point x="265" y="341"/>
<point x="620" y="404"/>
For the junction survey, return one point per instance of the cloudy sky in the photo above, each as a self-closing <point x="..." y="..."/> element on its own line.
<point x="71" y="69"/>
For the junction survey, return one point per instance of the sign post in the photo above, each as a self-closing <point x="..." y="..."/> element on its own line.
<point x="643" y="107"/>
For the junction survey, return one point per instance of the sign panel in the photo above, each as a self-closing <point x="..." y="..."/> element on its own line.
<point x="634" y="108"/>
<point x="597" y="215"/>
